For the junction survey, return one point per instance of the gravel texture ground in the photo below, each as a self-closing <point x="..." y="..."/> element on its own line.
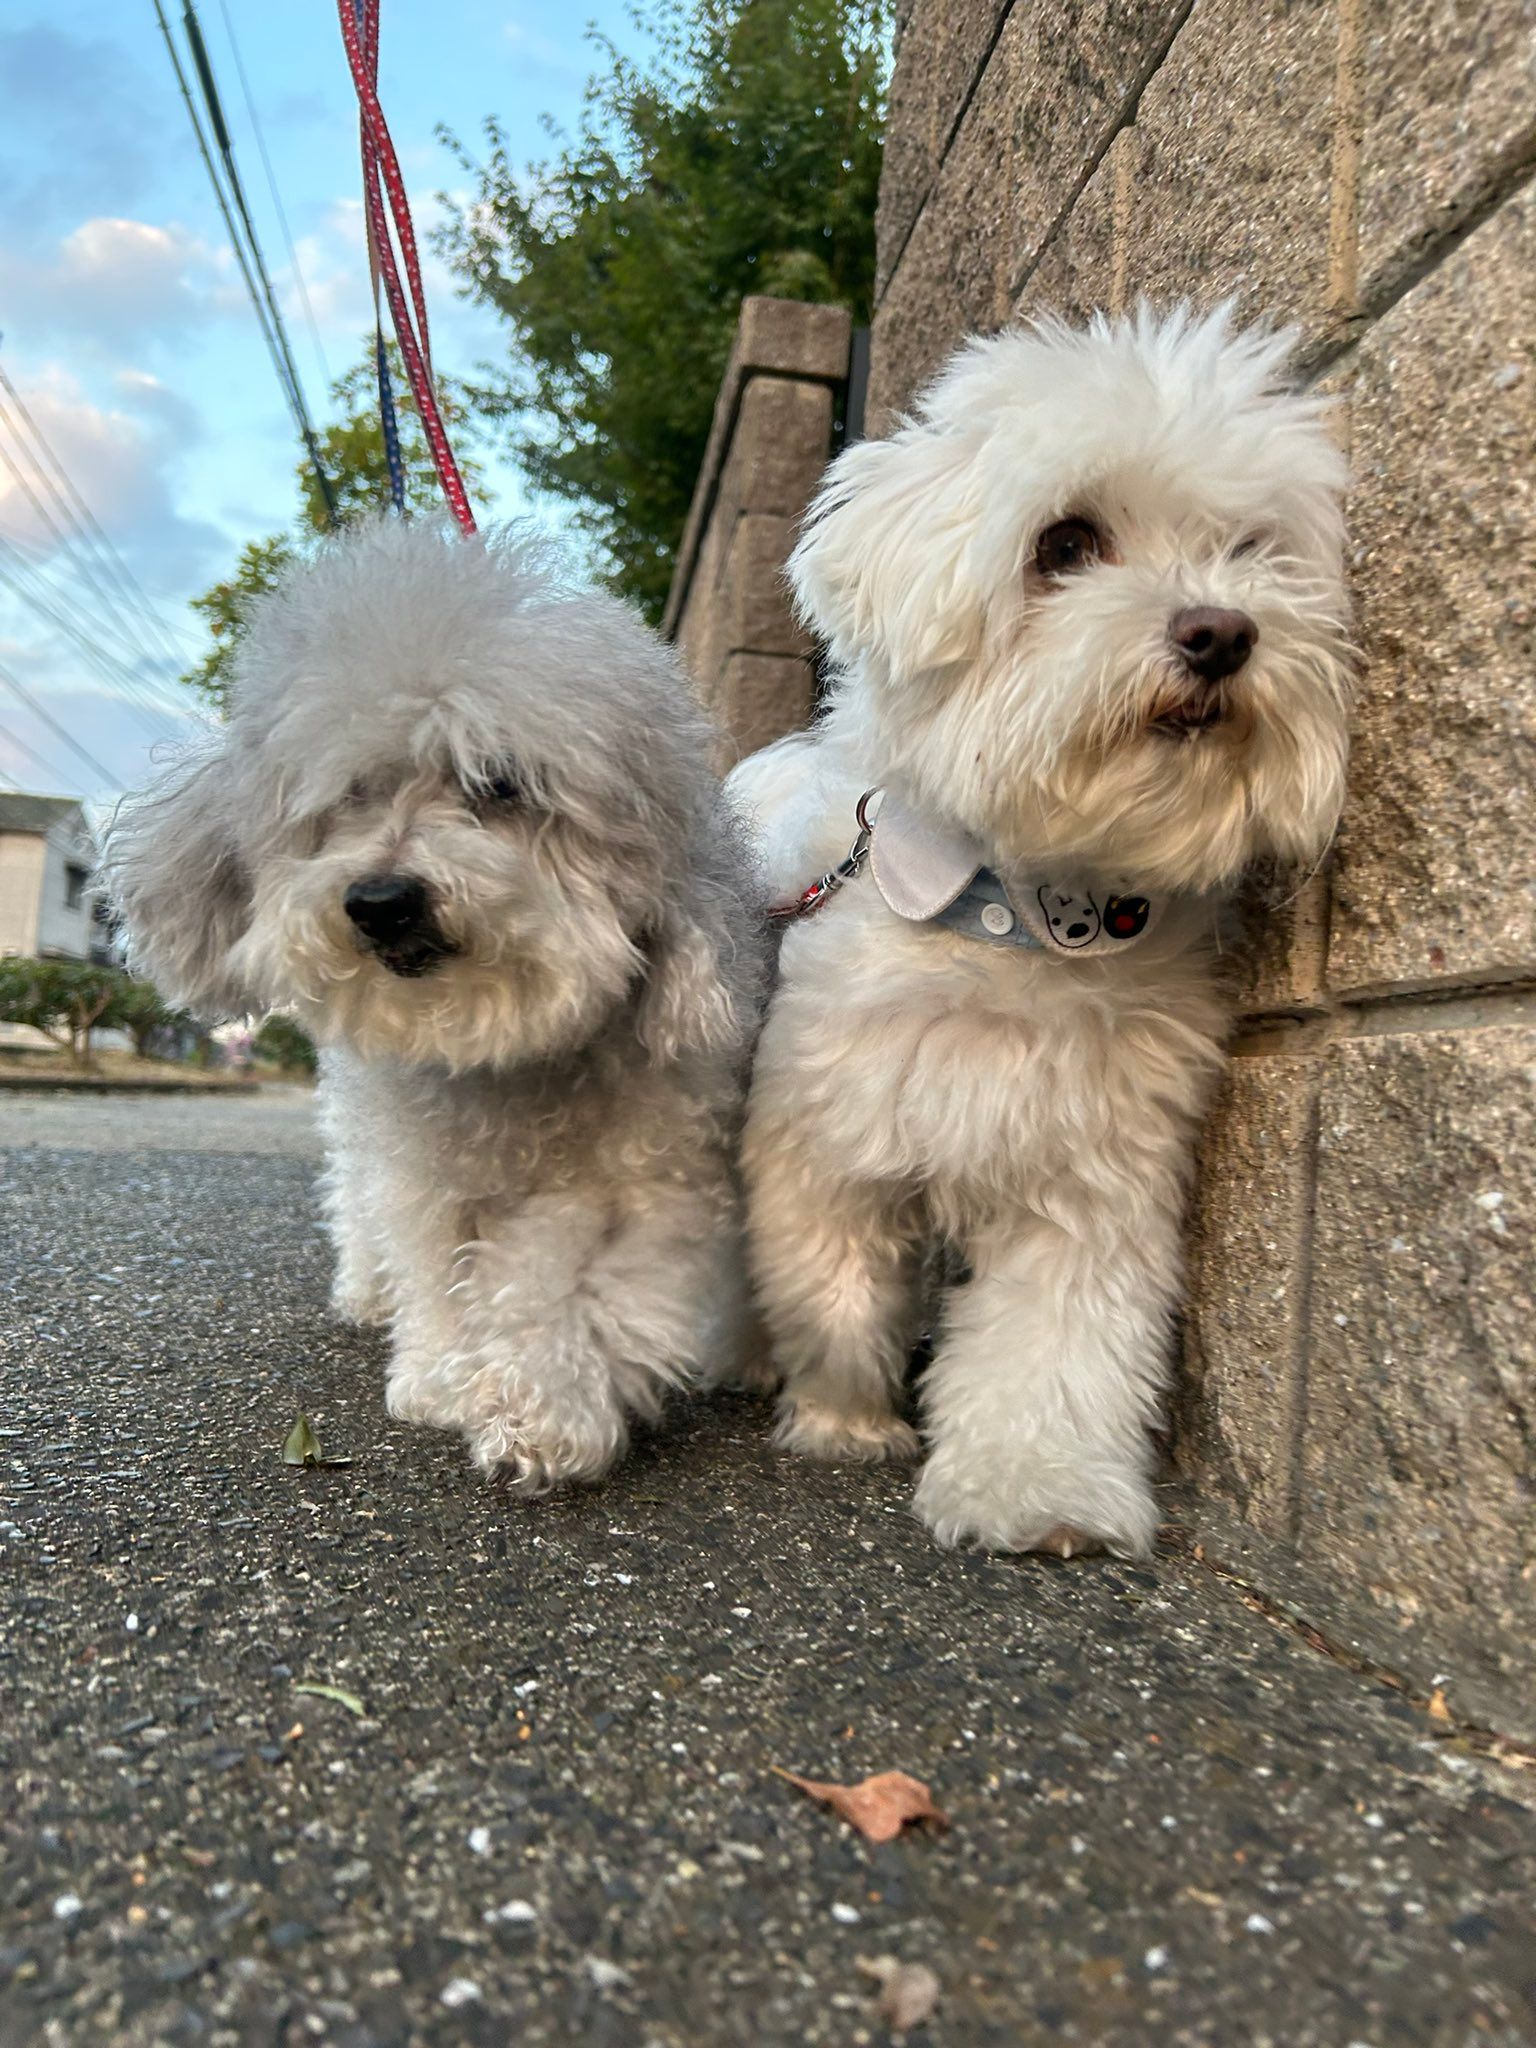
<point x="547" y="1813"/>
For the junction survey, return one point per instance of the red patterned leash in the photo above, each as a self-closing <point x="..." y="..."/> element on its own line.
<point x="381" y="171"/>
<point x="828" y="884"/>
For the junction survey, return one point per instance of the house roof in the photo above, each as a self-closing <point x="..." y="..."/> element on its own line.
<point x="20" y="813"/>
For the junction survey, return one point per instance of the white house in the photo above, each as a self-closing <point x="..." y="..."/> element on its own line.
<point x="47" y="902"/>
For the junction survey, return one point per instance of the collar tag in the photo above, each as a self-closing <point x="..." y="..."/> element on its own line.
<point x="931" y="872"/>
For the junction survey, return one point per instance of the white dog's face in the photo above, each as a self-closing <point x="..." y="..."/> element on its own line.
<point x="1092" y="598"/>
<point x="459" y="815"/>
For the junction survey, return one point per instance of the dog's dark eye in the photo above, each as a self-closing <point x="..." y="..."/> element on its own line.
<point x="1069" y="545"/>
<point x="1248" y="545"/>
<point x="501" y="790"/>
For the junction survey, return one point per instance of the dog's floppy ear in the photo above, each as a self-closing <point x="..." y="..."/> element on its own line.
<point x="179" y="886"/>
<point x="699" y="991"/>
<point x="891" y="560"/>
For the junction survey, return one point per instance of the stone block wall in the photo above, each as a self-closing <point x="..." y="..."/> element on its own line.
<point x="1356" y="1419"/>
<point x="729" y="609"/>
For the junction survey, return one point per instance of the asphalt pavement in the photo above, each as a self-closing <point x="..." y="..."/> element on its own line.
<point x="537" y="1804"/>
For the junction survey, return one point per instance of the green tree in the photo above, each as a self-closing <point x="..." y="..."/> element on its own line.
<point x="352" y="451"/>
<point x="282" y="1043"/>
<point x="742" y="156"/>
<point x="63" y="999"/>
<point x="139" y="1009"/>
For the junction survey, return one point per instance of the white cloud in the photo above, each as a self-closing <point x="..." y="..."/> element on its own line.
<point x="113" y="281"/>
<point x="121" y="458"/>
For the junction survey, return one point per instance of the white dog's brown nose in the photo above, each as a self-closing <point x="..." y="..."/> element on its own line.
<point x="387" y="908"/>
<point x="1212" y="643"/>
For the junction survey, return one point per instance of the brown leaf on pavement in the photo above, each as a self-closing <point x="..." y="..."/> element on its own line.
<point x="879" y="1807"/>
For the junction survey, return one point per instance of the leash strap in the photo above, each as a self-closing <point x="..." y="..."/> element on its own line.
<point x="367" y="15"/>
<point x="826" y="885"/>
<point x="381" y="171"/>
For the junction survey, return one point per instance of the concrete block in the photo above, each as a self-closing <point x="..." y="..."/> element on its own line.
<point x="1234" y="141"/>
<point x="759" y="698"/>
<point x="1039" y="122"/>
<point x="1448" y="116"/>
<point x="1237" y="1391"/>
<point x="1438" y="846"/>
<point x="754" y="592"/>
<point x="943" y="50"/>
<point x="1080" y="271"/>
<point x="1419" y="1462"/>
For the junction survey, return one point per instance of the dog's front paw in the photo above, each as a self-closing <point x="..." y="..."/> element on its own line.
<point x="813" y="1431"/>
<point x="1069" y="1511"/>
<point x="364" y="1304"/>
<point x="421" y="1393"/>
<point x="537" y="1458"/>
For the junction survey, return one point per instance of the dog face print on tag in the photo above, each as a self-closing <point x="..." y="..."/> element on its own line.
<point x="1125" y="916"/>
<point x="1071" y="922"/>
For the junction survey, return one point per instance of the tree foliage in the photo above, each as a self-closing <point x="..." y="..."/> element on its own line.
<point x="743" y="156"/>
<point x="66" y="1000"/>
<point x="282" y="1043"/>
<point x="352" y="452"/>
<point x="139" y="1009"/>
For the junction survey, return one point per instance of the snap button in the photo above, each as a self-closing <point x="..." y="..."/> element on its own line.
<point x="997" y="918"/>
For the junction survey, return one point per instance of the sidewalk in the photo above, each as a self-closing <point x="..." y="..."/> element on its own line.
<point x="553" y="1818"/>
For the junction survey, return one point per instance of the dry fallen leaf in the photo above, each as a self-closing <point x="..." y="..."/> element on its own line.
<point x="879" y="1807"/>
<point x="338" y="1693"/>
<point x="908" y="1991"/>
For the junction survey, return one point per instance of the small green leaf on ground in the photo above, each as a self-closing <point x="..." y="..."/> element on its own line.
<point x="339" y="1694"/>
<point x="302" y="1446"/>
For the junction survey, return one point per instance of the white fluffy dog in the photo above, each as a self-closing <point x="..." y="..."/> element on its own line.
<point x="461" y="820"/>
<point x="1088" y="627"/>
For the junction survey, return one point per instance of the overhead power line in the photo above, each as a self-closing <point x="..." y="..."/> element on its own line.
<point x="53" y="725"/>
<point x="47" y="566"/>
<point x="277" y="197"/>
<point x="246" y="244"/>
<point x="106" y="664"/>
<point x="102" y="637"/>
<point x="49" y="768"/>
<point x="67" y="500"/>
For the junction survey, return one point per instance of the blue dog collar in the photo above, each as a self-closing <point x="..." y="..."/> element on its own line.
<point x="931" y="872"/>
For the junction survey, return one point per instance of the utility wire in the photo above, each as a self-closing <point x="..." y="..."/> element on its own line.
<point x="277" y="197"/>
<point x="44" y="459"/>
<point x="29" y="562"/>
<point x="123" y="627"/>
<point x="107" y="666"/>
<point x="53" y="773"/>
<point x="268" y="316"/>
<point x="53" y="725"/>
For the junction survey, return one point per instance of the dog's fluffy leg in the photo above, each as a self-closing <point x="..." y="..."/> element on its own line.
<point x="834" y="1271"/>
<point x="352" y="1202"/>
<point x="581" y="1312"/>
<point x="360" y="1291"/>
<point x="1046" y="1381"/>
<point x="430" y="1352"/>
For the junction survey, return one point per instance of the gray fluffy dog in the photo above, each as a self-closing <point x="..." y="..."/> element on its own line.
<point x="461" y="820"/>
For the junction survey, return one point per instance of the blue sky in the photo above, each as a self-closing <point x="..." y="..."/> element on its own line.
<point x="125" y="327"/>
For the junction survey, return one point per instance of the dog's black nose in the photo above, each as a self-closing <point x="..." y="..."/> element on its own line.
<point x="386" y="908"/>
<point x="1212" y="643"/>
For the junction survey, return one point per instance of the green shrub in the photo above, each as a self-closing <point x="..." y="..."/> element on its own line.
<point x="282" y="1043"/>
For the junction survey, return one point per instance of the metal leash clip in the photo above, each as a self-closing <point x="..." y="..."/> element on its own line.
<point x="828" y="884"/>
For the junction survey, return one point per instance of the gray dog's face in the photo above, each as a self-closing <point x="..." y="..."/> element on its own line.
<point x="459" y="816"/>
<point x="437" y="914"/>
